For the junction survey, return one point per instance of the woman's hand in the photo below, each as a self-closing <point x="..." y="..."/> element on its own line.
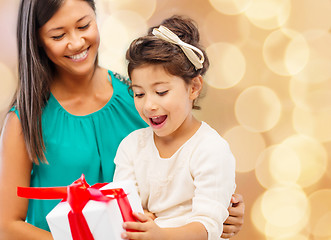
<point x="234" y="222"/>
<point x="146" y="228"/>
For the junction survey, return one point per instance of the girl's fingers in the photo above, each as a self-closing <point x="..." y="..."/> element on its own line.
<point x="133" y="235"/>
<point x="134" y="226"/>
<point x="140" y="217"/>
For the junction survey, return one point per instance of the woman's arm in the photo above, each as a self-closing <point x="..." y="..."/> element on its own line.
<point x="15" y="170"/>
<point x="234" y="222"/>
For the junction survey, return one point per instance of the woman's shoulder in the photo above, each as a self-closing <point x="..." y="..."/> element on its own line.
<point x="12" y="126"/>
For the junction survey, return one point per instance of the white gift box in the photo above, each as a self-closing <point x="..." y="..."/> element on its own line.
<point x="103" y="218"/>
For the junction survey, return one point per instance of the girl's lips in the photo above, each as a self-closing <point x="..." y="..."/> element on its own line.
<point x="158" y="122"/>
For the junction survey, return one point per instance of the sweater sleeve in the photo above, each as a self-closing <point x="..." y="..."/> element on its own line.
<point x="124" y="169"/>
<point x="213" y="171"/>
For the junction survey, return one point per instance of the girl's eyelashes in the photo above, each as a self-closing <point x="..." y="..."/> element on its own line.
<point x="139" y="95"/>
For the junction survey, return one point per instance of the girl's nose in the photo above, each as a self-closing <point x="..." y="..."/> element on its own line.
<point x="150" y="105"/>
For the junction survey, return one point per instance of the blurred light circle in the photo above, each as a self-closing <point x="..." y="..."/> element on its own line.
<point x="230" y="7"/>
<point x="317" y="69"/>
<point x="258" y="108"/>
<point x="275" y="232"/>
<point x="285" y="206"/>
<point x="227" y="65"/>
<point x="256" y="216"/>
<point x="8" y="86"/>
<point x="116" y="33"/>
<point x="292" y="237"/>
<point x="230" y="29"/>
<point x="246" y="147"/>
<point x="268" y="14"/>
<point x="311" y="96"/>
<point x="313" y="123"/>
<point x="285" y="52"/>
<point x="285" y="167"/>
<point x="307" y="15"/>
<point x="320" y="218"/>
<point x="277" y="164"/>
<point x="312" y="155"/>
<point x="145" y="8"/>
<point x="311" y="88"/>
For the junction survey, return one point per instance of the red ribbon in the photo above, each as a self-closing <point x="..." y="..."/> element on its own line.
<point x="77" y="195"/>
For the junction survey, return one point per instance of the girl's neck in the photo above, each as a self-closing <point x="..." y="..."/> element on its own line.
<point x="168" y="145"/>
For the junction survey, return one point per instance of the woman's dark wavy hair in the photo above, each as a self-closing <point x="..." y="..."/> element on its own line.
<point x="152" y="50"/>
<point x="35" y="71"/>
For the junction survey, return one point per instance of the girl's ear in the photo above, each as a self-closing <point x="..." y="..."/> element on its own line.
<point x="196" y="87"/>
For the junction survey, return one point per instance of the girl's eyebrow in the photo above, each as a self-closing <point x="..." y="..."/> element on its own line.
<point x="154" y="84"/>
<point x="59" y="28"/>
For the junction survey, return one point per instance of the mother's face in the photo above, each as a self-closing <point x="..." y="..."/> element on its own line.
<point x="71" y="38"/>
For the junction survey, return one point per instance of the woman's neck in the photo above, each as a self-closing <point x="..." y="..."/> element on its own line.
<point x="67" y="85"/>
<point x="83" y="95"/>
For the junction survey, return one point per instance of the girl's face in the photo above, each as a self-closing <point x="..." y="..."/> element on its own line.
<point x="71" y="38"/>
<point x="164" y="101"/>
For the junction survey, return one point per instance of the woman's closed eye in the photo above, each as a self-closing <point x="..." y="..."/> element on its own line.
<point x="84" y="27"/>
<point x="162" y="93"/>
<point x="58" y="37"/>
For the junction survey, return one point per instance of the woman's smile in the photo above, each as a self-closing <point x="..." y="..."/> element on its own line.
<point x="79" y="57"/>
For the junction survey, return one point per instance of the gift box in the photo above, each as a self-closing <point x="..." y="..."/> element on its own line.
<point x="89" y="213"/>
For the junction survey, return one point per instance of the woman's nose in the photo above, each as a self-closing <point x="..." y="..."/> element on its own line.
<point x="76" y="42"/>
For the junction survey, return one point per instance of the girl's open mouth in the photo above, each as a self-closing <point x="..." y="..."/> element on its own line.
<point x="158" y="121"/>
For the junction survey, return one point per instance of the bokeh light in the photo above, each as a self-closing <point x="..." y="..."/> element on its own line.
<point x="145" y="8"/>
<point x="257" y="216"/>
<point x="320" y="204"/>
<point x="116" y="33"/>
<point x="308" y="15"/>
<point x="8" y="86"/>
<point x="230" y="7"/>
<point x="277" y="164"/>
<point x="258" y="108"/>
<point x="246" y="147"/>
<point x="217" y="27"/>
<point x="284" y="206"/>
<point x="227" y="66"/>
<point x="269" y="14"/>
<point x="285" y="52"/>
<point x="313" y="123"/>
<point x="268" y="93"/>
<point x="312" y="155"/>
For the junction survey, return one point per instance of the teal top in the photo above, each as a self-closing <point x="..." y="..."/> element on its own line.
<point x="77" y="145"/>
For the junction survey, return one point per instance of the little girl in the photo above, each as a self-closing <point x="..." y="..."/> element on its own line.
<point x="184" y="170"/>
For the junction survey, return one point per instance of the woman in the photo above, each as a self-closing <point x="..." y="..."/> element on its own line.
<point x="69" y="116"/>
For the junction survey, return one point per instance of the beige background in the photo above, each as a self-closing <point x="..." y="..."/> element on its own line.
<point x="268" y="92"/>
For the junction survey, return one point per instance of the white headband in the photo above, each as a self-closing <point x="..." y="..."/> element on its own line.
<point x="167" y="35"/>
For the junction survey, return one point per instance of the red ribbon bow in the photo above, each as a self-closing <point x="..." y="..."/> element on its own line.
<point x="77" y="195"/>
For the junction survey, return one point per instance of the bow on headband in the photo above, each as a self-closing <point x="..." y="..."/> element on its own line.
<point x="165" y="34"/>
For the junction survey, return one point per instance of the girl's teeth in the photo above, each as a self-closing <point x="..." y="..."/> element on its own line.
<point x="79" y="56"/>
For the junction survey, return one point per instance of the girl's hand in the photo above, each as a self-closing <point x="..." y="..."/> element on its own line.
<point x="149" y="214"/>
<point x="146" y="228"/>
<point x="234" y="222"/>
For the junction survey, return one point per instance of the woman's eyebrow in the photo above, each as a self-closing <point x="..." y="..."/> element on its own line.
<point x="59" y="28"/>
